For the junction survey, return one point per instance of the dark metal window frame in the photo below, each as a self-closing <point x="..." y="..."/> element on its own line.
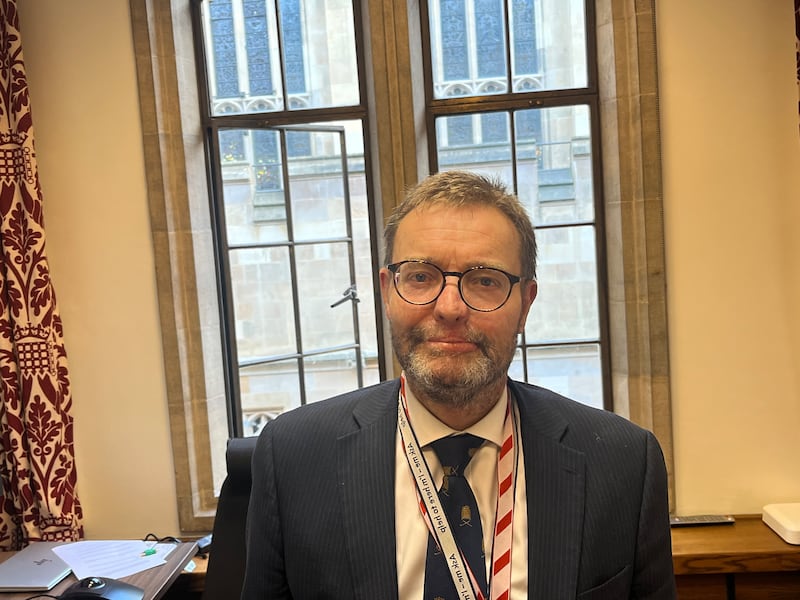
<point x="282" y="120"/>
<point x="517" y="101"/>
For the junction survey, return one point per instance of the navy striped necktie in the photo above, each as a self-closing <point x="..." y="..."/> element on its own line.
<point x="459" y="504"/>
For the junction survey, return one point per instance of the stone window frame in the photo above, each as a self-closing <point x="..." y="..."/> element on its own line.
<point x="177" y="190"/>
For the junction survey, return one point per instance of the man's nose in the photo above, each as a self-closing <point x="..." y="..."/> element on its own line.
<point x="450" y="304"/>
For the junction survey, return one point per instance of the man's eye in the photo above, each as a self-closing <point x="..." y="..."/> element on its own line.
<point x="484" y="281"/>
<point x="419" y="277"/>
<point x="488" y="282"/>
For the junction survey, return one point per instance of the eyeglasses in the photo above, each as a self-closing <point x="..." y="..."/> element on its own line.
<point x="482" y="288"/>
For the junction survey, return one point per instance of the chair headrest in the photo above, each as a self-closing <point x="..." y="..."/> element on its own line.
<point x="238" y="457"/>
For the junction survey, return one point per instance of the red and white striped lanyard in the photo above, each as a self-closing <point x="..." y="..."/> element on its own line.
<point x="436" y="521"/>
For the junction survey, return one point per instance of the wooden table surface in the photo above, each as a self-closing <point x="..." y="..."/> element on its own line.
<point x="155" y="582"/>
<point x="747" y="546"/>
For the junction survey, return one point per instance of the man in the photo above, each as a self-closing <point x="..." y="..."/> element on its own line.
<point x="572" y="501"/>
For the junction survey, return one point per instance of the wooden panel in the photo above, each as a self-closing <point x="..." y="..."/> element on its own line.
<point x="175" y="593"/>
<point x="190" y="584"/>
<point x="768" y="586"/>
<point x="702" y="587"/>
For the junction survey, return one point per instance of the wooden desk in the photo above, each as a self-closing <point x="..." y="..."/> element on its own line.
<point x="155" y="582"/>
<point x="190" y="585"/>
<point x="743" y="561"/>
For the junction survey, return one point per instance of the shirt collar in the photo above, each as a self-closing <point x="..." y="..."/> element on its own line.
<point x="428" y="428"/>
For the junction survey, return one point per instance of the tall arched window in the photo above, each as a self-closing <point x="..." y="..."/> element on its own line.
<point x="512" y="93"/>
<point x="599" y="223"/>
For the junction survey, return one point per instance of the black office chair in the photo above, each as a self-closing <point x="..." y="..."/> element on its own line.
<point x="226" y="557"/>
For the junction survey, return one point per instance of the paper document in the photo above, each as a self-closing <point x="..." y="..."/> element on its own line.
<point x="112" y="559"/>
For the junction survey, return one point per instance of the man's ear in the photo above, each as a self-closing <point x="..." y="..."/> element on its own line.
<point x="386" y="283"/>
<point x="530" y="288"/>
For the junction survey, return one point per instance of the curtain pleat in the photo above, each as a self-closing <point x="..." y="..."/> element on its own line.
<point x="37" y="459"/>
<point x="797" y="46"/>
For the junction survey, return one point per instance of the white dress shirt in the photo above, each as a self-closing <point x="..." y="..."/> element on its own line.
<point x="481" y="473"/>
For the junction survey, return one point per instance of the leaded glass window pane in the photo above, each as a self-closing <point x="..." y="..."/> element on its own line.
<point x="291" y="20"/>
<point x="257" y="42"/>
<point x="491" y="47"/>
<point x="277" y="55"/>
<point x="223" y="49"/>
<point x="471" y="39"/>
<point x="574" y="371"/>
<point x="566" y="306"/>
<point x="525" y="58"/>
<point x="453" y="45"/>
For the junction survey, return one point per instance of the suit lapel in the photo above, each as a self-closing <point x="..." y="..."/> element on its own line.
<point x="366" y="465"/>
<point x="555" y="480"/>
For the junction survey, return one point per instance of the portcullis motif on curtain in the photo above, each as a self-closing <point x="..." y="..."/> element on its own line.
<point x="37" y="459"/>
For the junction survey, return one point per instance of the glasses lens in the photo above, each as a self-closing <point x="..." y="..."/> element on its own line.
<point x="418" y="282"/>
<point x="484" y="288"/>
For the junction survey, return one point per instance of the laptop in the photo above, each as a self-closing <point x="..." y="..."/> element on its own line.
<point x="34" y="568"/>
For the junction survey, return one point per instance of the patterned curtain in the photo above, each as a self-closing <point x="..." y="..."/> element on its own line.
<point x="797" y="46"/>
<point x="37" y="461"/>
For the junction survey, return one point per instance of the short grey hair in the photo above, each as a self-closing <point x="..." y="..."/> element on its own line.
<point x="463" y="188"/>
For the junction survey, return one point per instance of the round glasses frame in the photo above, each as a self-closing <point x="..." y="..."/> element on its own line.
<point x="394" y="268"/>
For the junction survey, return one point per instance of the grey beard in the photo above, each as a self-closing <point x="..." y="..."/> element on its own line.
<point x="450" y="390"/>
<point x="456" y="388"/>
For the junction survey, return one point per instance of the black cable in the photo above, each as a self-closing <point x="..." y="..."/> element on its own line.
<point x="155" y="538"/>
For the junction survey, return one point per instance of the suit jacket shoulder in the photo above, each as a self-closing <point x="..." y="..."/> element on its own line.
<point x="570" y="422"/>
<point x="338" y="415"/>
<point x="597" y="482"/>
<point x="321" y="514"/>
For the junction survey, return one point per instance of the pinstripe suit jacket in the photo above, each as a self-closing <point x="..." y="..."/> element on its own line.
<point x="321" y="516"/>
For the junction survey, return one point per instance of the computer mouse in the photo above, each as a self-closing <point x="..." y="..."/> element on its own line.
<point x="102" y="588"/>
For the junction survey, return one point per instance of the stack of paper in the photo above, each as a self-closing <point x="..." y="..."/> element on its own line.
<point x="112" y="559"/>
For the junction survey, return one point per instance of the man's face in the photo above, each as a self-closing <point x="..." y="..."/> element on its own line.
<point x="448" y="350"/>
